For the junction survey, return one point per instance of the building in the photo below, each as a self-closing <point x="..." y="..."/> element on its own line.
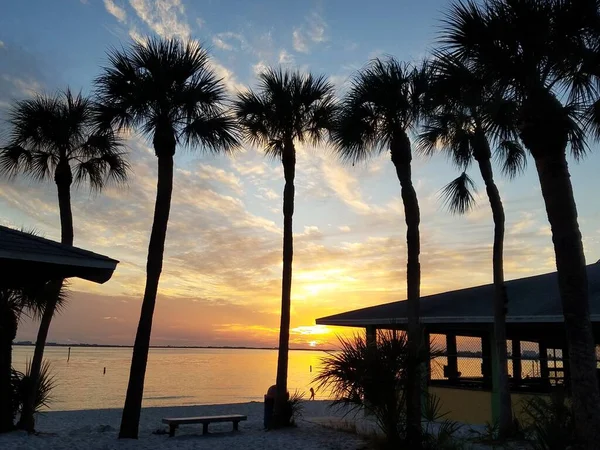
<point x="538" y="356"/>
<point x="26" y="259"/>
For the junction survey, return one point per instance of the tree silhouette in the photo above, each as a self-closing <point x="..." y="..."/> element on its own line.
<point x="54" y="138"/>
<point x="543" y="57"/>
<point x="462" y="117"/>
<point x="167" y="90"/>
<point x="383" y="105"/>
<point x="287" y="108"/>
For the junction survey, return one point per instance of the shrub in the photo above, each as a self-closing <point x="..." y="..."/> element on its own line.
<point x="549" y="422"/>
<point x="372" y="378"/>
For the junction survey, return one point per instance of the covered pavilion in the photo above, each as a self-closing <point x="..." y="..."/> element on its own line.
<point x="464" y="318"/>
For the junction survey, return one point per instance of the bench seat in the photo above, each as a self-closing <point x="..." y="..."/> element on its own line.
<point x="174" y="422"/>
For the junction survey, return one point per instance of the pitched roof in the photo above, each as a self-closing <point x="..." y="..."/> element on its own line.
<point x="530" y="300"/>
<point x="25" y="256"/>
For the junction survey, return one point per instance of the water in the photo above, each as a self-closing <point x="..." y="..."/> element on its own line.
<point x="175" y="377"/>
<point x="178" y="377"/>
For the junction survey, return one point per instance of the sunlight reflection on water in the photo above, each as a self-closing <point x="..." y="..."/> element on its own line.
<point x="174" y="376"/>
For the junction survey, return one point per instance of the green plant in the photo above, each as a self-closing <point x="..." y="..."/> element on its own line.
<point x="490" y="433"/>
<point x="295" y="407"/>
<point x="43" y="390"/>
<point x="444" y="438"/>
<point x="549" y="422"/>
<point x="371" y="377"/>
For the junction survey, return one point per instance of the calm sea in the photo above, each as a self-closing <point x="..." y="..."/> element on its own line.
<point x="175" y="377"/>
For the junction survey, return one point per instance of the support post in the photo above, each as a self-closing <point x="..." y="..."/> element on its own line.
<point x="486" y="363"/>
<point x="494" y="367"/>
<point x="516" y="361"/>
<point x="544" y="372"/>
<point x="371" y="335"/>
<point x="452" y="370"/>
<point x="566" y="366"/>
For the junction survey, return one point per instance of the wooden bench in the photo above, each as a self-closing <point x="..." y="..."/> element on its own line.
<point x="204" y="420"/>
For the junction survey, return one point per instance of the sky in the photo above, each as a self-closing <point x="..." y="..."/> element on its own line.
<point x="221" y="281"/>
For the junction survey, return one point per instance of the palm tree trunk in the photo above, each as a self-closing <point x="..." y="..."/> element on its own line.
<point x="289" y="170"/>
<point x="401" y="157"/>
<point x="8" y="330"/>
<point x="558" y="196"/>
<point x="63" y="179"/>
<point x="500" y="299"/>
<point x="135" y="389"/>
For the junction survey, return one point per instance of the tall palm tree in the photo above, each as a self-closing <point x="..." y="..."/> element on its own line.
<point x="382" y="106"/>
<point x="14" y="303"/>
<point x="54" y="138"/>
<point x="167" y="90"/>
<point x="288" y="108"/>
<point x="462" y="118"/>
<point x="543" y="56"/>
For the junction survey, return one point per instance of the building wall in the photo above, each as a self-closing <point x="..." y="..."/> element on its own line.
<point x="473" y="407"/>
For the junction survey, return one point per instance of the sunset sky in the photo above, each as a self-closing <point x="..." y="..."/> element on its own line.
<point x="222" y="268"/>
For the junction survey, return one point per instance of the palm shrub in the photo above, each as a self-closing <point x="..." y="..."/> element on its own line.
<point x="549" y="422"/>
<point x="14" y="304"/>
<point x="372" y="378"/>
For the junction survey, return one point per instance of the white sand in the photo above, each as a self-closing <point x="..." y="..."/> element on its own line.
<point x="98" y="429"/>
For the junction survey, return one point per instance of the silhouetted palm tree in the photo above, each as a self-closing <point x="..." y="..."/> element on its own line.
<point x="543" y="55"/>
<point x="289" y="107"/>
<point x="382" y="106"/>
<point x="54" y="138"/>
<point x="167" y="90"/>
<point x="30" y="301"/>
<point x="462" y="118"/>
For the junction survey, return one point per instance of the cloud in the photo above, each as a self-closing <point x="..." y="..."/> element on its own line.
<point x="115" y="10"/>
<point x="299" y="41"/>
<point x="166" y="17"/>
<point x="228" y="41"/>
<point x="285" y="57"/>
<point x="313" y="31"/>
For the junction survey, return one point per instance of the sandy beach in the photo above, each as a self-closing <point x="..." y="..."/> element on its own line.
<point x="98" y="429"/>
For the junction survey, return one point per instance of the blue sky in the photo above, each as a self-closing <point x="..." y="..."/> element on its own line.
<point x="221" y="280"/>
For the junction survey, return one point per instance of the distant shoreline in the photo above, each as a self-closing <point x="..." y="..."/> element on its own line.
<point x="224" y="347"/>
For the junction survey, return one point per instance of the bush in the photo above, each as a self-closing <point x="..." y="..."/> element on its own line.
<point x="549" y="422"/>
<point x="21" y="384"/>
<point x="362" y="377"/>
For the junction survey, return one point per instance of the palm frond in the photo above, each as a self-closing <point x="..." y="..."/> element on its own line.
<point x="512" y="157"/>
<point x="217" y="133"/>
<point x="457" y="195"/>
<point x="287" y="106"/>
<point x="169" y="84"/>
<point x="14" y="160"/>
<point x="385" y="98"/>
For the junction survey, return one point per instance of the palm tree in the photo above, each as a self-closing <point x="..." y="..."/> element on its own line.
<point x="462" y="118"/>
<point x="382" y="106"/>
<point x="288" y="108"/>
<point x="542" y="55"/>
<point x="13" y="304"/>
<point x="167" y="90"/>
<point x="53" y="137"/>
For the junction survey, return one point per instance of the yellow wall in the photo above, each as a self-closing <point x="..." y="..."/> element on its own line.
<point x="472" y="407"/>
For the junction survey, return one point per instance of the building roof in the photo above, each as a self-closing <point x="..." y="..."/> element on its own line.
<point x="532" y="300"/>
<point x="24" y="257"/>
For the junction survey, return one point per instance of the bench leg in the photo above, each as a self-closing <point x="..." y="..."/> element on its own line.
<point x="204" y="428"/>
<point x="235" y="425"/>
<point x="172" y="429"/>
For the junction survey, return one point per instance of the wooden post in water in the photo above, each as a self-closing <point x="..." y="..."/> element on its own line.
<point x="69" y="355"/>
